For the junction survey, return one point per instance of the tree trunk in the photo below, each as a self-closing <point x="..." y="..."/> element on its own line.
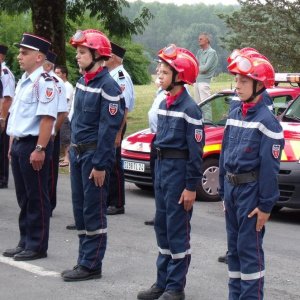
<point x="48" y="20"/>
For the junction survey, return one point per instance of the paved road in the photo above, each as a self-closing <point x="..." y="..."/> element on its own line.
<point x="129" y="263"/>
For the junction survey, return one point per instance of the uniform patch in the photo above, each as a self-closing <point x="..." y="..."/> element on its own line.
<point x="276" y="151"/>
<point x="198" y="135"/>
<point x="122" y="86"/>
<point x="113" y="108"/>
<point x="49" y="93"/>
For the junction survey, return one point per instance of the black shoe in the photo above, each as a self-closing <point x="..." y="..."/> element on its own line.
<point x="223" y="259"/>
<point x="172" y="295"/>
<point x="150" y="222"/>
<point x="67" y="271"/>
<point x="113" y="210"/>
<point x="3" y="185"/>
<point x="81" y="273"/>
<point x="153" y="293"/>
<point x="71" y="227"/>
<point x="29" y="255"/>
<point x="12" y="252"/>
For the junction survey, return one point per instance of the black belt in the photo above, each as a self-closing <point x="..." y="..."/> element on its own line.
<point x="25" y="138"/>
<point x="81" y="148"/>
<point x="237" y="179"/>
<point x="172" y="153"/>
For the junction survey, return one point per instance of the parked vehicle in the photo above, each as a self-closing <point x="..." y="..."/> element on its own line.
<point x="136" y="147"/>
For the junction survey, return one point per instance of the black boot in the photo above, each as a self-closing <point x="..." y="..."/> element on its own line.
<point x="151" y="294"/>
<point x="172" y="295"/>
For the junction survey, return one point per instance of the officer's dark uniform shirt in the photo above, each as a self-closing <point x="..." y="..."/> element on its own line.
<point x="253" y="143"/>
<point x="98" y="114"/>
<point x="180" y="127"/>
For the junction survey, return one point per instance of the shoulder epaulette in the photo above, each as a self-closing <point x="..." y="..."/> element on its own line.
<point x="5" y="71"/>
<point x="54" y="78"/>
<point x="121" y="75"/>
<point x="47" y="77"/>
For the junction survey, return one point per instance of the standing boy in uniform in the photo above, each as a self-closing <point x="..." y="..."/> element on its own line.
<point x="179" y="143"/>
<point x="249" y="165"/>
<point x="8" y="85"/>
<point x="30" y="125"/>
<point x="98" y="114"/>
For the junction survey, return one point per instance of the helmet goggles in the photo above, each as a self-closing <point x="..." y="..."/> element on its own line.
<point x="169" y="52"/>
<point x="242" y="64"/>
<point x="78" y="37"/>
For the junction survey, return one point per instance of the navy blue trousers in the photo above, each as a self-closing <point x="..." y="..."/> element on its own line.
<point x="4" y="162"/>
<point x="89" y="207"/>
<point x="32" y="195"/>
<point x="245" y="253"/>
<point x="172" y="225"/>
<point x="116" y="195"/>
<point x="53" y="171"/>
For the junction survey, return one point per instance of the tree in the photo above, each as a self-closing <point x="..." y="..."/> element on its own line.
<point x="49" y="17"/>
<point x="272" y="27"/>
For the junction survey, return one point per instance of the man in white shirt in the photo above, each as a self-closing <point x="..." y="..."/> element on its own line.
<point x="8" y="84"/>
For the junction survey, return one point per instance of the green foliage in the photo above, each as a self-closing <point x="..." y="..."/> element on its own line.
<point x="11" y="30"/>
<point x="181" y="25"/>
<point x="272" y="27"/>
<point x="109" y="12"/>
<point x="136" y="63"/>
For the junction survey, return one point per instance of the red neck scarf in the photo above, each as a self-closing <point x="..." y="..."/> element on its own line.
<point x="246" y="106"/>
<point x="171" y="99"/>
<point x="91" y="75"/>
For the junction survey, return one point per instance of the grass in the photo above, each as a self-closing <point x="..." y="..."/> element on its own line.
<point x="144" y="95"/>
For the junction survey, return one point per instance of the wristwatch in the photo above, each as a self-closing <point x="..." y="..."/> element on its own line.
<point x="39" y="148"/>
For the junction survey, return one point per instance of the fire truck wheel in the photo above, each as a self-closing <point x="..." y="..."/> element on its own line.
<point x="208" y="189"/>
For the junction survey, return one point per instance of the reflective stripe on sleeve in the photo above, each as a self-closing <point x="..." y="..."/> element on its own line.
<point x="178" y="114"/>
<point x="98" y="91"/>
<point x="256" y="125"/>
<point x="177" y="255"/>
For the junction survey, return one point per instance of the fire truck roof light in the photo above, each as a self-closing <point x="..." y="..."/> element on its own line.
<point x="287" y="77"/>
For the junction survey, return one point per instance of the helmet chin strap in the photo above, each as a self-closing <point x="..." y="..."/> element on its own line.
<point x="254" y="92"/>
<point x="92" y="64"/>
<point x="173" y="83"/>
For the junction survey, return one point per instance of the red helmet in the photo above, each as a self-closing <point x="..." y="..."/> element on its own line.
<point x="182" y="60"/>
<point x="92" y="39"/>
<point x="251" y="63"/>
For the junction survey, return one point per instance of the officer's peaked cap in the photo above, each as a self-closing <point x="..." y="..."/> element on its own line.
<point x="117" y="50"/>
<point x="3" y="49"/>
<point x="51" y="57"/>
<point x="34" y="42"/>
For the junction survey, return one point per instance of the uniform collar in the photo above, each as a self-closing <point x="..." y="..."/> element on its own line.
<point x="34" y="75"/>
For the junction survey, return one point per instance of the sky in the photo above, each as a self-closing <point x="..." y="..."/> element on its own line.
<point x="179" y="2"/>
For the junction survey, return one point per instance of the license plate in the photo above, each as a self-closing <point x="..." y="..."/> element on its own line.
<point x="133" y="166"/>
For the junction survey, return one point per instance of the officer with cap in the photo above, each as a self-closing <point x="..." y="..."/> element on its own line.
<point x="62" y="112"/>
<point x="116" y="196"/>
<point x="8" y="85"/>
<point x="30" y="126"/>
